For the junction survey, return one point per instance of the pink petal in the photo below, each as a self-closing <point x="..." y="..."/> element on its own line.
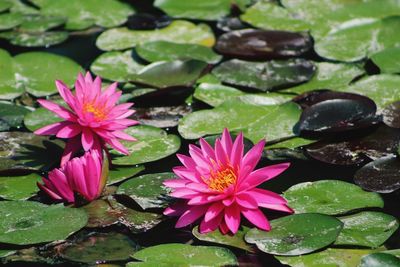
<point x="51" y="128"/>
<point x="69" y="131"/>
<point x="59" y="110"/>
<point x="253" y="156"/>
<point x="265" y="196"/>
<point x="52" y="194"/>
<point x="261" y="175"/>
<point x="187" y="174"/>
<point x="198" y="157"/>
<point x="190" y="216"/>
<point x="176" y="209"/>
<point x="247" y="201"/>
<point x="73" y="145"/>
<point x="118" y="146"/>
<point x="212" y="225"/>
<point x="237" y="151"/>
<point x="226" y="141"/>
<point x="214" y="210"/>
<point x="186" y="161"/>
<point x="87" y="139"/>
<point x="278" y="207"/>
<point x="184" y="193"/>
<point x="66" y="94"/>
<point x="257" y="218"/>
<point x="222" y="158"/>
<point x="123" y="136"/>
<point x="232" y="218"/>
<point x="175" y="183"/>
<point x="208" y="151"/>
<point x="223" y="227"/>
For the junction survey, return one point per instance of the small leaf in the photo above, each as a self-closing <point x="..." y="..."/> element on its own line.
<point x="19" y="187"/>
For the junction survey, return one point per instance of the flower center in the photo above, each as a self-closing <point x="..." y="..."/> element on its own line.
<point x="98" y="112"/>
<point x="221" y="179"/>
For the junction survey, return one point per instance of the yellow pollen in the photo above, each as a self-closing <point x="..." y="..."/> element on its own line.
<point x="221" y="179"/>
<point x="98" y="112"/>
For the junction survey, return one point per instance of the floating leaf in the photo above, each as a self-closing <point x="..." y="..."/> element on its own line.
<point x="296" y="234"/>
<point x="116" y="66"/>
<point x="10" y="20"/>
<point x="98" y="247"/>
<point x="330" y="197"/>
<point x="257" y="122"/>
<point x="35" y="23"/>
<point x="19" y="187"/>
<point x="32" y="222"/>
<point x="328" y="76"/>
<point x="147" y="190"/>
<point x="6" y="252"/>
<point x="179" y="31"/>
<point x="388" y="60"/>
<point x="35" y="39"/>
<point x="4" y="5"/>
<point x="39" y="118"/>
<point x="169" y="51"/>
<point x="153" y="144"/>
<point x="11" y="115"/>
<point x="182" y="254"/>
<point x="379" y="260"/>
<point x="260" y="44"/>
<point x="204" y="10"/>
<point x="368" y="228"/>
<point x="165" y="74"/>
<point x="82" y="15"/>
<point x="8" y="88"/>
<point x="161" y="117"/>
<point x="236" y="240"/>
<point x="264" y="76"/>
<point x="381" y="175"/>
<point x="119" y="174"/>
<point x="327" y="258"/>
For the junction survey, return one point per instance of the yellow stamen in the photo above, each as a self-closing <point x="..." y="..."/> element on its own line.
<point x="98" y="112"/>
<point x="221" y="179"/>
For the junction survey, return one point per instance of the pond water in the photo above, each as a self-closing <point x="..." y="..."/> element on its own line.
<point x="318" y="80"/>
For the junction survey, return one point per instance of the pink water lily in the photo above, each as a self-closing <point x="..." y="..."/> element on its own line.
<point x="83" y="175"/>
<point x="219" y="185"/>
<point x="92" y="118"/>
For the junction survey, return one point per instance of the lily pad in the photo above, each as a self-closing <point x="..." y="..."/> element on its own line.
<point x="381" y="175"/>
<point x="182" y="254"/>
<point x="162" y="117"/>
<point x="32" y="222"/>
<point x="98" y="247"/>
<point x="379" y="259"/>
<point x="5" y="5"/>
<point x="330" y="197"/>
<point x="169" y="51"/>
<point x="204" y="10"/>
<point x="116" y="66"/>
<point x="265" y="76"/>
<point x="35" y="39"/>
<point x="8" y="88"/>
<point x="19" y="187"/>
<point x="179" y="31"/>
<point x="236" y="240"/>
<point x="165" y="74"/>
<point x="328" y="258"/>
<point x="119" y="174"/>
<point x="147" y="190"/>
<point x="82" y="15"/>
<point x="287" y="238"/>
<point x="388" y="60"/>
<point x="37" y="71"/>
<point x="261" y="44"/>
<point x="153" y="144"/>
<point x="11" y="115"/>
<point x="26" y="151"/>
<point x="39" y="118"/>
<point x="368" y="228"/>
<point x="329" y="76"/>
<point x="257" y="122"/>
<point x="35" y="23"/>
<point x="104" y="213"/>
<point x="10" y="20"/>
<point x="6" y="252"/>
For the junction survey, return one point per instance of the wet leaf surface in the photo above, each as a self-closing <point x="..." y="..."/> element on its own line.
<point x="261" y="44"/>
<point x="32" y="222"/>
<point x="39" y="118"/>
<point x="287" y="238"/>
<point x="264" y="76"/>
<point x="11" y="116"/>
<point x="381" y="175"/>
<point x="119" y="174"/>
<point x="379" y="259"/>
<point x="161" y="117"/>
<point x="35" y="39"/>
<point x="19" y="187"/>
<point x="330" y="197"/>
<point x="388" y="60"/>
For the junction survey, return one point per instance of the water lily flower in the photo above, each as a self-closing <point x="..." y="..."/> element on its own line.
<point x="219" y="185"/>
<point x="92" y="118"/>
<point x="85" y="175"/>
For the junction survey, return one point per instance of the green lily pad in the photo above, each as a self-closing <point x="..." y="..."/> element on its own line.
<point x="10" y="20"/>
<point x="182" y="254"/>
<point x="39" y="118"/>
<point x="36" y="72"/>
<point x="169" y="51"/>
<point x="11" y="115"/>
<point x="204" y="10"/>
<point x="165" y="74"/>
<point x="388" y="60"/>
<point x="35" y="39"/>
<point x="236" y="240"/>
<point x="6" y="252"/>
<point x="35" y="23"/>
<point x="83" y="14"/>
<point x="287" y="238"/>
<point x="379" y="260"/>
<point x="119" y="174"/>
<point x="354" y="40"/>
<point x="8" y="89"/>
<point x="257" y="122"/>
<point x="216" y="94"/>
<point x="104" y="213"/>
<point x="383" y="89"/>
<point x="290" y="143"/>
<point x="116" y="66"/>
<point x="153" y="144"/>
<point x="19" y="187"/>
<point x="179" y="31"/>
<point x="32" y="222"/>
<point x="19" y="7"/>
<point x="4" y="5"/>
<point x="147" y="190"/>
<point x="264" y="76"/>
<point x="368" y="228"/>
<point x="330" y="197"/>
<point x="26" y="151"/>
<point x="99" y="247"/>
<point x="328" y="258"/>
<point x="329" y="76"/>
